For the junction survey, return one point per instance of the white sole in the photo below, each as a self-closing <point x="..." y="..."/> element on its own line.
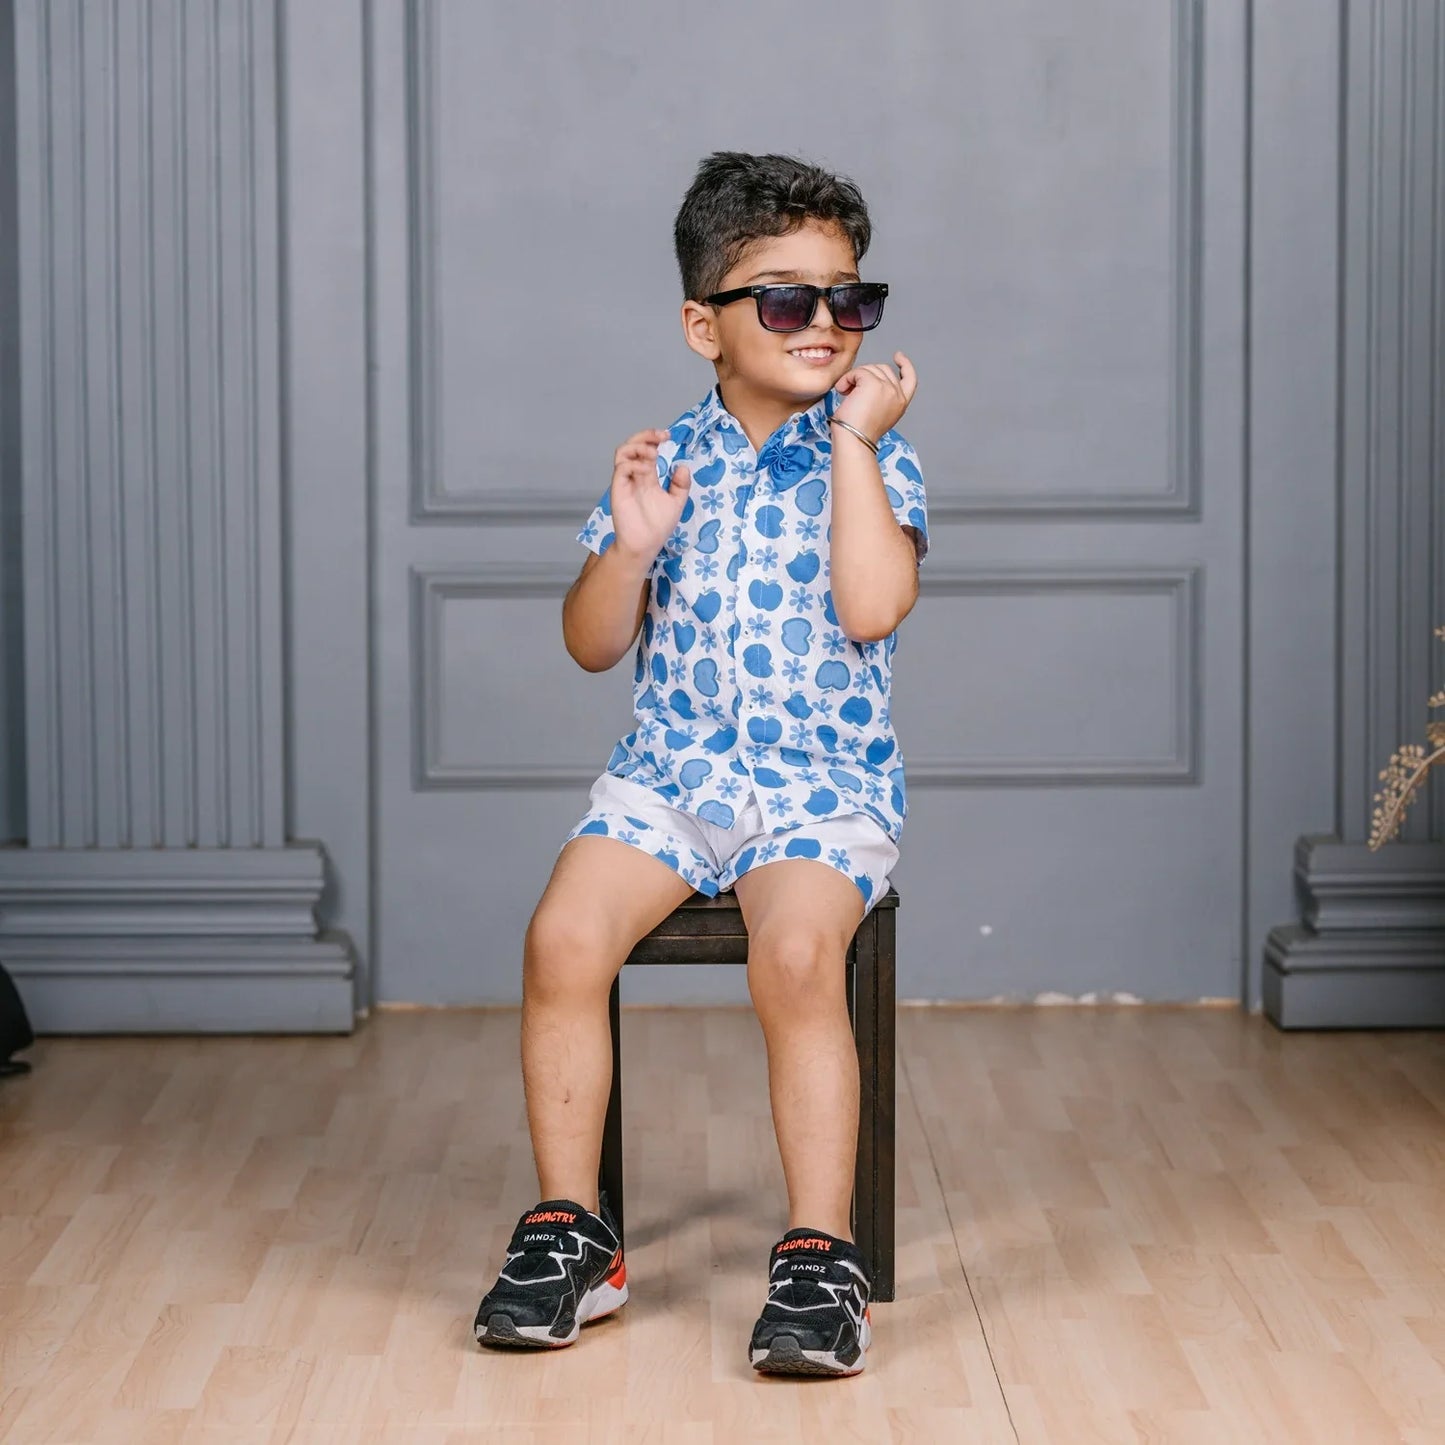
<point x="600" y="1300"/>
<point x="786" y="1357"/>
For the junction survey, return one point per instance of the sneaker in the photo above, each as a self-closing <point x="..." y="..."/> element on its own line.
<point x="563" y="1268"/>
<point x="816" y="1319"/>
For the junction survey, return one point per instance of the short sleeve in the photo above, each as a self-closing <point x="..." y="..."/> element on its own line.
<point x="597" y="534"/>
<point x="903" y="481"/>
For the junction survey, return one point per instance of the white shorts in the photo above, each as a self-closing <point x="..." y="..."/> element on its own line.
<point x="712" y="858"/>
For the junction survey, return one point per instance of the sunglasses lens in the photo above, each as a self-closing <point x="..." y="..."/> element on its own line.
<point x="858" y="308"/>
<point x="785" y="308"/>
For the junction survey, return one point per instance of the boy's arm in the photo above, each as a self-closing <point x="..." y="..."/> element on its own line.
<point x="874" y="561"/>
<point x="879" y="532"/>
<point x="606" y="604"/>
<point x="604" y="608"/>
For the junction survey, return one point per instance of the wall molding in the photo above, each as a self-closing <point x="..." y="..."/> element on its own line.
<point x="431" y="590"/>
<point x="1370" y="949"/>
<point x="210" y="940"/>
<point x="433" y="503"/>
<point x="1182" y="585"/>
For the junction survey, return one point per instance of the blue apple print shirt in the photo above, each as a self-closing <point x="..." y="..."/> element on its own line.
<point x="744" y="679"/>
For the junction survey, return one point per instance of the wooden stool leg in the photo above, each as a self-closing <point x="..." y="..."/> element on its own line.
<point x="609" y="1179"/>
<point x="885" y="1012"/>
<point x="873" y="1031"/>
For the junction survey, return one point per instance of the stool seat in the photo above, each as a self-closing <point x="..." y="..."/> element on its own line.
<point x="711" y="930"/>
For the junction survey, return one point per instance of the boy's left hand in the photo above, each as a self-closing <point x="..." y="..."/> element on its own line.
<point x="875" y="396"/>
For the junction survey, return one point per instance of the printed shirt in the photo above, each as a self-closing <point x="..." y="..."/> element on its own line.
<point x="744" y="679"/>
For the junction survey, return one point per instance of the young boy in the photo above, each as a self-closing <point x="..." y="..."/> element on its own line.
<point x="767" y="545"/>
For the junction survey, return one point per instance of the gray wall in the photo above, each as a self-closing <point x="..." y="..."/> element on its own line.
<point x="12" y="665"/>
<point x="1302" y="549"/>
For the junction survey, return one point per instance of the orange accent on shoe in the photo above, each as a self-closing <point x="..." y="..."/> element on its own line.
<point x="825" y="1245"/>
<point x="616" y="1272"/>
<point x="868" y="1313"/>
<point x="551" y="1216"/>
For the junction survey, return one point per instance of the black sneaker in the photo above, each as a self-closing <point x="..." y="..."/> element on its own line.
<point x="816" y="1319"/>
<point x="563" y="1268"/>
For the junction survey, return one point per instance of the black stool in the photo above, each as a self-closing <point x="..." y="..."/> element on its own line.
<point x="710" y="930"/>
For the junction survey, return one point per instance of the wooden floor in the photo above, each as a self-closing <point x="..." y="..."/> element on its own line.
<point x="1115" y="1225"/>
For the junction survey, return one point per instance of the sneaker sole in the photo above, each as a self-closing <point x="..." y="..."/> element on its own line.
<point x="785" y="1356"/>
<point x="598" y="1302"/>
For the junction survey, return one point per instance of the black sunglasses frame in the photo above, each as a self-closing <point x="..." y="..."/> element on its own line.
<point x="725" y="298"/>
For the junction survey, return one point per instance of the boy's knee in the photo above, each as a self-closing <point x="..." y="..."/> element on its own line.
<point x="564" y="955"/>
<point x="795" y="965"/>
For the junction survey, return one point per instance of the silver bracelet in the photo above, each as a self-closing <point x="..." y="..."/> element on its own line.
<point x="848" y="426"/>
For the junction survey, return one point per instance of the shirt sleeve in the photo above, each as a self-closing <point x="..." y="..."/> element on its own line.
<point x="597" y="533"/>
<point x="903" y="481"/>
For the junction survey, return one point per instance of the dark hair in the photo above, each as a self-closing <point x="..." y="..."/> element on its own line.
<point x="736" y="199"/>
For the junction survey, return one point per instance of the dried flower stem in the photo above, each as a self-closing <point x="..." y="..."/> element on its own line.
<point x="1408" y="767"/>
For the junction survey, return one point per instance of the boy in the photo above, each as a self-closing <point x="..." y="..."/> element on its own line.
<point x="767" y="545"/>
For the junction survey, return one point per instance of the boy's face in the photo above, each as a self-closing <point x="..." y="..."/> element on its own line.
<point x="796" y="367"/>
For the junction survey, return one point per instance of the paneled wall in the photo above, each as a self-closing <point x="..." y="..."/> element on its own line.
<point x="159" y="887"/>
<point x="281" y="506"/>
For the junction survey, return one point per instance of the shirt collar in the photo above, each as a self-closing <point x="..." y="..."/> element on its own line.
<point x="712" y="413"/>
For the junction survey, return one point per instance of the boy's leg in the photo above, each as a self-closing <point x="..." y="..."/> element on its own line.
<point x="602" y="897"/>
<point x="801" y="916"/>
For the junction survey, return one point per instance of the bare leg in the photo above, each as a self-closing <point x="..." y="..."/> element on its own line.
<point x="602" y="897"/>
<point x="801" y="916"/>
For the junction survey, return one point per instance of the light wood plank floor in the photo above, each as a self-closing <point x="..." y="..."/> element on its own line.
<point x="1115" y="1225"/>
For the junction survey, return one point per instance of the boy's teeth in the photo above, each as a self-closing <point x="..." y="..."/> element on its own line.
<point x="812" y="351"/>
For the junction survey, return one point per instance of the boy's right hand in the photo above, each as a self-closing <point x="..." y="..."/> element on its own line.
<point x="644" y="513"/>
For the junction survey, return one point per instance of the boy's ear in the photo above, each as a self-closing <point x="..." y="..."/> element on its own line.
<point x="699" y="329"/>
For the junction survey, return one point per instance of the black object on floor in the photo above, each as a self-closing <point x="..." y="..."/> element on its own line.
<point x="15" y="1030"/>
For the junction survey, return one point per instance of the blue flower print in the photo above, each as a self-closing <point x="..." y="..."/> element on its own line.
<point x="768" y="852"/>
<point x="743" y="677"/>
<point x="838" y="857"/>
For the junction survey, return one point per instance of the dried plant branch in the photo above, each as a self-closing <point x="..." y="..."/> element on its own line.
<point x="1409" y="766"/>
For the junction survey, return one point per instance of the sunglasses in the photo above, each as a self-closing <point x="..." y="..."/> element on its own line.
<point x="789" y="306"/>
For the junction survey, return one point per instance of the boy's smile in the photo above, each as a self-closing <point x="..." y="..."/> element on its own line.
<point x="767" y="376"/>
